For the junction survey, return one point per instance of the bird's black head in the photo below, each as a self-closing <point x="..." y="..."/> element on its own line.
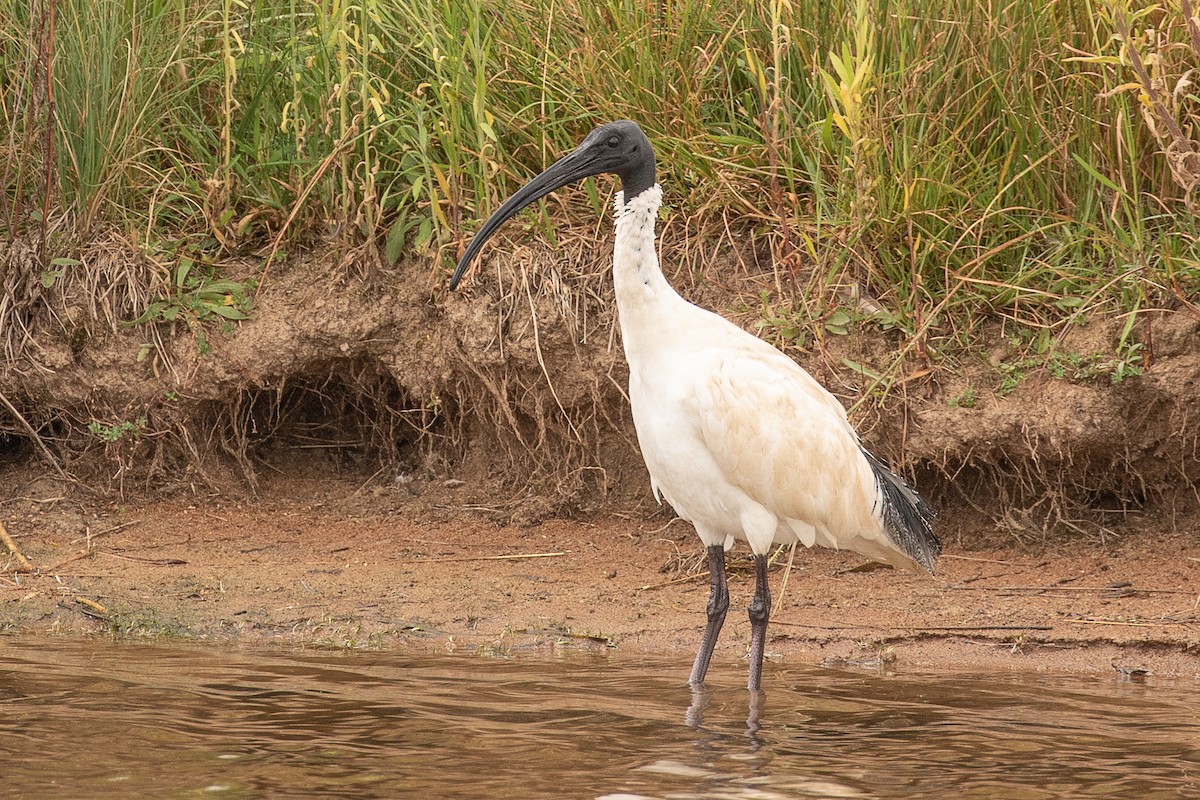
<point x="618" y="148"/>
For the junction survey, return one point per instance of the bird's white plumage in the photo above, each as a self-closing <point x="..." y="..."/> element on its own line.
<point x="738" y="438"/>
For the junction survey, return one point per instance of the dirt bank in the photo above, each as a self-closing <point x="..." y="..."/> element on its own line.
<point x="321" y="561"/>
<point x="371" y="462"/>
<point x="520" y="376"/>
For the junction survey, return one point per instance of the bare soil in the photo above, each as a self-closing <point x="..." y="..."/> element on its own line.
<point x="321" y="561"/>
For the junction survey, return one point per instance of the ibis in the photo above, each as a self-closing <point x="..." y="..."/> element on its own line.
<point x="739" y="439"/>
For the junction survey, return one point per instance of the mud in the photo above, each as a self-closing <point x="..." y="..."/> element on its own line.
<point x="322" y="561"/>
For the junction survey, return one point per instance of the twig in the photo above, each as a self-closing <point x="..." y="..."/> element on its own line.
<point x="973" y="558"/>
<point x="161" y="562"/>
<point x="684" y="579"/>
<point x="485" y="509"/>
<point x="482" y="558"/>
<point x="367" y="482"/>
<point x="12" y="548"/>
<point x="783" y="586"/>
<point x="924" y="629"/>
<point x="48" y="152"/>
<point x="105" y="532"/>
<point x="537" y="349"/>
<point x="34" y="435"/>
<point x="1125" y="589"/>
<point x="598" y="638"/>
<point x="1186" y="7"/>
<point x="1117" y="622"/>
<point x="87" y="612"/>
<point x="987" y="628"/>
<point x="65" y="561"/>
<point x="90" y="603"/>
<point x="27" y="499"/>
<point x="329" y="159"/>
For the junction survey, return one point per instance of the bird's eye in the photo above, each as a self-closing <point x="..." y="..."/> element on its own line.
<point x="612" y="141"/>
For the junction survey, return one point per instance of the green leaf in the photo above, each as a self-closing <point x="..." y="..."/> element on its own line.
<point x="394" y="245"/>
<point x="152" y="312"/>
<point x="1090" y="170"/>
<point x="735" y="141"/>
<point x="862" y="370"/>
<point x="185" y="266"/>
<point x="222" y="288"/>
<point x="228" y="312"/>
<point x="424" y="234"/>
<point x="838" y="323"/>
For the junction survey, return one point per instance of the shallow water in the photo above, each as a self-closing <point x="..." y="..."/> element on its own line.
<point x="89" y="719"/>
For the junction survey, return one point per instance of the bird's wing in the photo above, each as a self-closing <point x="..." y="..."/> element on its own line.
<point x="784" y="440"/>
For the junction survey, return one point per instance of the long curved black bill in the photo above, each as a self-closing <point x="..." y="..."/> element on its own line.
<point x="574" y="166"/>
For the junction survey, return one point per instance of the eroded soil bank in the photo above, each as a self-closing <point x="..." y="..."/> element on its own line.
<point x="520" y="376"/>
<point x="381" y="464"/>
<point x="321" y="561"/>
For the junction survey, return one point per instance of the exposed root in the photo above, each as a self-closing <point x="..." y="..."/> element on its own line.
<point x="14" y="551"/>
<point x="33" y="434"/>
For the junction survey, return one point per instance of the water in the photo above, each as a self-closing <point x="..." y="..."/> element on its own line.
<point x="86" y="719"/>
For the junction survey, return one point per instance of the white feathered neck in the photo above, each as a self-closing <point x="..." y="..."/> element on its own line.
<point x="637" y="277"/>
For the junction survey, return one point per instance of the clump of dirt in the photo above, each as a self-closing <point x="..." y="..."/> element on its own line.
<point x="517" y="383"/>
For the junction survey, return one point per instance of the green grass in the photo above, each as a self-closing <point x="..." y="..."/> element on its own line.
<point x="955" y="159"/>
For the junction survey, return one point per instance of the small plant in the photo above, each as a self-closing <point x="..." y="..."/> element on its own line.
<point x="1074" y="367"/>
<point x="1011" y="375"/>
<point x="788" y="325"/>
<point x="58" y="266"/>
<point x="966" y="399"/>
<point x="838" y="323"/>
<point x="117" y="432"/>
<point x="791" y="327"/>
<point x="1164" y="82"/>
<point x="195" y="297"/>
<point x="841" y="321"/>
<point x="1123" y="365"/>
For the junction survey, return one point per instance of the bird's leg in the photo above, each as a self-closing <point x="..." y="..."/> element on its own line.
<point x="718" y="604"/>
<point x="701" y="697"/>
<point x="760" y="612"/>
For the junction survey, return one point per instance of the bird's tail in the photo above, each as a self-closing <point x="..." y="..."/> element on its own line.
<point x="907" y="518"/>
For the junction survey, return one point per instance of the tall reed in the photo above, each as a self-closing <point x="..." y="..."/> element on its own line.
<point x="951" y="158"/>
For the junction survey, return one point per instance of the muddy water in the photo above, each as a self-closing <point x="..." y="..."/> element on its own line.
<point x="103" y="720"/>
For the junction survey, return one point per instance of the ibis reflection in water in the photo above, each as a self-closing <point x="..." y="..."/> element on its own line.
<point x="739" y="439"/>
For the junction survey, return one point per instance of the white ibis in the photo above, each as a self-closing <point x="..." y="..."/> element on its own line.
<point x="739" y="439"/>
